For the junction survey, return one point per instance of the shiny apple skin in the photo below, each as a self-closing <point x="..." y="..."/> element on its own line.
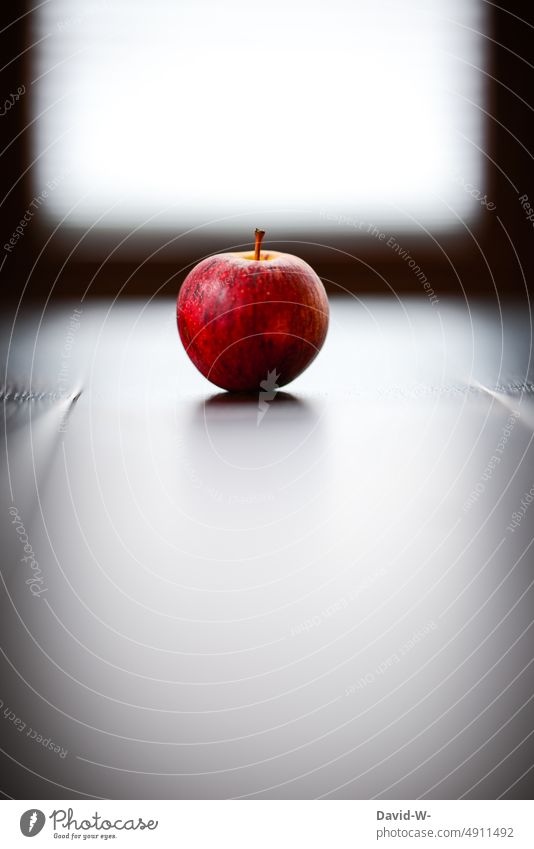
<point x="240" y="319"/>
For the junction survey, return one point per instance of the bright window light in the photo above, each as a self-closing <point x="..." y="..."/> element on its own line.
<point x="180" y="113"/>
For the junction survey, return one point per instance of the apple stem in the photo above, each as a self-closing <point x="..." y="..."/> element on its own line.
<point x="259" y="234"/>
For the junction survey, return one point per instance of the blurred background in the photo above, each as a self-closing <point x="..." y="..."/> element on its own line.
<point x="359" y="134"/>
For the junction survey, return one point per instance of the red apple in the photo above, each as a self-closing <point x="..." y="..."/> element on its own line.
<point x="252" y="316"/>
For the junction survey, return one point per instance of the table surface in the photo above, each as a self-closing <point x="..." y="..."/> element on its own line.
<point x="330" y="598"/>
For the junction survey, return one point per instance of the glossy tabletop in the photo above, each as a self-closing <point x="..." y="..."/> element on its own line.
<point x="326" y="594"/>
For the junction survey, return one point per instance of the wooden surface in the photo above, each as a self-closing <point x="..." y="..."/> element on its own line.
<point x="330" y="600"/>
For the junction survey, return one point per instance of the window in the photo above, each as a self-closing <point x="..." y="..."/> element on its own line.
<point x="176" y="114"/>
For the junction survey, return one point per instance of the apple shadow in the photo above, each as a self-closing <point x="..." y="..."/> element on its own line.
<point x="255" y="411"/>
<point x="245" y="400"/>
